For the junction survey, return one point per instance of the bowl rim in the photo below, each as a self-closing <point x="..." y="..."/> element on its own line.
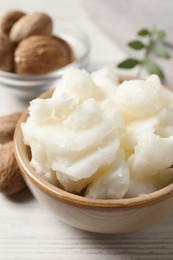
<point x="20" y="150"/>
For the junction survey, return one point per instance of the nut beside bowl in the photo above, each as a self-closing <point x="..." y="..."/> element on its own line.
<point x="101" y="216"/>
<point x="30" y="86"/>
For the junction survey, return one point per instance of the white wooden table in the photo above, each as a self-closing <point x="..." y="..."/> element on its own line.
<point x="27" y="231"/>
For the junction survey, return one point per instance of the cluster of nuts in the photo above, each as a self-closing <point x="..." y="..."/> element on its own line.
<point x="11" y="180"/>
<point x="27" y="45"/>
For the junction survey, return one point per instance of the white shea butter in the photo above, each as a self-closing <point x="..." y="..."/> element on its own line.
<point x="104" y="139"/>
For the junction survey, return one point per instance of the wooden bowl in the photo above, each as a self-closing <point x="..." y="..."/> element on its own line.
<point x="101" y="216"/>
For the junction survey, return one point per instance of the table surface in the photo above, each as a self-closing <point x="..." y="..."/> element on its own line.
<point x="27" y="231"/>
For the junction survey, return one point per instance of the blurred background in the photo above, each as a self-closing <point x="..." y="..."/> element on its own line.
<point x="26" y="230"/>
<point x="122" y="19"/>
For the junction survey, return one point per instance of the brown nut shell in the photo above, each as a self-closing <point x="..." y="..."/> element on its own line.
<point x="9" y="19"/>
<point x="11" y="180"/>
<point x="7" y="127"/>
<point x="31" y="24"/>
<point x="42" y="54"/>
<point x="6" y="53"/>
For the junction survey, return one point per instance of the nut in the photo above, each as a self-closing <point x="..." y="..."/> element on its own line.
<point x="42" y="54"/>
<point x="11" y="180"/>
<point x="9" y="19"/>
<point x="7" y="127"/>
<point x="31" y="24"/>
<point x="6" y="53"/>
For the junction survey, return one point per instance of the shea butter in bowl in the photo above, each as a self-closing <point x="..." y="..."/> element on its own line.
<point x="97" y="151"/>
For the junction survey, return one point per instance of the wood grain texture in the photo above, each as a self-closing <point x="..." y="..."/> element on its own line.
<point x="29" y="232"/>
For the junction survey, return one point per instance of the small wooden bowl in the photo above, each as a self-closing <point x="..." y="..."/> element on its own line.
<point x="101" y="216"/>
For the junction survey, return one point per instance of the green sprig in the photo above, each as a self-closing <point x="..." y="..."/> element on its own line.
<point x="153" y="46"/>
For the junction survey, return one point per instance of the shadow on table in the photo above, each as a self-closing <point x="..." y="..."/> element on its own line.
<point x="21" y="197"/>
<point x="155" y="242"/>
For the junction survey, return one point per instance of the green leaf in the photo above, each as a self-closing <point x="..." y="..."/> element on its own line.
<point x="153" y="68"/>
<point x="143" y="32"/>
<point x="161" y="35"/>
<point x="128" y="64"/>
<point x="137" y="45"/>
<point x="160" y="50"/>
